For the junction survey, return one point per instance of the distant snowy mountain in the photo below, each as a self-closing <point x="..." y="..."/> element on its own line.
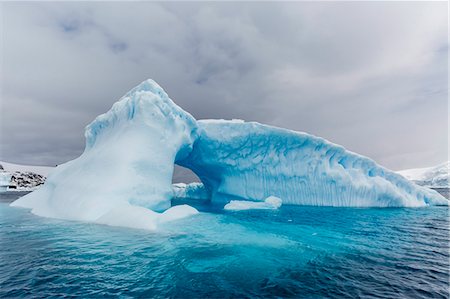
<point x="42" y="170"/>
<point x="22" y="177"/>
<point x="435" y="177"/>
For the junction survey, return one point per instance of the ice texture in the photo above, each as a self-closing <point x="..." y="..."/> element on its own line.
<point x="124" y="176"/>
<point x="193" y="190"/>
<point x="126" y="166"/>
<point x="138" y="217"/>
<point x="270" y="203"/>
<point x="5" y="180"/>
<point x="251" y="161"/>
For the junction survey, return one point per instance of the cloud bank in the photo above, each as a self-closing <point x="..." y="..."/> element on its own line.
<point x="371" y="76"/>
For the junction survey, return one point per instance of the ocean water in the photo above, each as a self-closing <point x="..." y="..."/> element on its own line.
<point x="302" y="252"/>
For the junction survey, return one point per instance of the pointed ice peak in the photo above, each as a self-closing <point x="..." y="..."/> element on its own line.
<point x="147" y="104"/>
<point x="148" y="85"/>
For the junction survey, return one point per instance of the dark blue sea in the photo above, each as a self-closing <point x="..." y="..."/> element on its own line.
<point x="301" y="252"/>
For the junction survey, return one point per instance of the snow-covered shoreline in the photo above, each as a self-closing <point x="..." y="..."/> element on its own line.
<point x="20" y="178"/>
<point x="12" y="167"/>
<point x="433" y="177"/>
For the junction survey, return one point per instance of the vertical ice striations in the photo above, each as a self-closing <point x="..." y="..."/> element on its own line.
<point x="127" y="163"/>
<point x="247" y="160"/>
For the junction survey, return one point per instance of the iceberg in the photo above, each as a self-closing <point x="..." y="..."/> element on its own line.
<point x="270" y="203"/>
<point x="126" y="166"/>
<point x="124" y="176"/>
<point x="5" y="180"/>
<point x="251" y="161"/>
<point x="193" y="190"/>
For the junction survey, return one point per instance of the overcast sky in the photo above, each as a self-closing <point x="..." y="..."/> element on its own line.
<point x="371" y="76"/>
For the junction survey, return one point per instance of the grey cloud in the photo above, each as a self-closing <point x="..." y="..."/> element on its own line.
<point x="371" y="76"/>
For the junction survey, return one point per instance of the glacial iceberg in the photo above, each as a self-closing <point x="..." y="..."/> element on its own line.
<point x="251" y="161"/>
<point x="124" y="175"/>
<point x="126" y="167"/>
<point x="193" y="190"/>
<point x="5" y="180"/>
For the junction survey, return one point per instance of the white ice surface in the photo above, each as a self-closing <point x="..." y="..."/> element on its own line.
<point x="138" y="217"/>
<point x="270" y="203"/>
<point x="5" y="180"/>
<point x="126" y="168"/>
<point x="251" y="161"/>
<point x="193" y="190"/>
<point x="124" y="176"/>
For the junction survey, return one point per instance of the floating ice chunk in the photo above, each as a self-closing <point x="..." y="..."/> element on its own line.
<point x="274" y="201"/>
<point x="177" y="212"/>
<point x="190" y="191"/>
<point x="5" y="180"/>
<point x="270" y="203"/>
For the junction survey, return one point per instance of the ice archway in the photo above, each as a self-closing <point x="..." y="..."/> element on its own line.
<point x="252" y="161"/>
<point x="124" y="175"/>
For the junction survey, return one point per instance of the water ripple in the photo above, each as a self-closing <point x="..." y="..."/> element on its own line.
<point x="293" y="252"/>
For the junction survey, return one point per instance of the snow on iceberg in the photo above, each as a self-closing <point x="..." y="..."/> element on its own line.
<point x="126" y="168"/>
<point x="250" y="161"/>
<point x="270" y="203"/>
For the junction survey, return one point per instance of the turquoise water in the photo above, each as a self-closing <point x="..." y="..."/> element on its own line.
<point x="306" y="252"/>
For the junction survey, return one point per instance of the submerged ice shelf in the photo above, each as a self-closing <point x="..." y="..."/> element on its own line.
<point x="124" y="175"/>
